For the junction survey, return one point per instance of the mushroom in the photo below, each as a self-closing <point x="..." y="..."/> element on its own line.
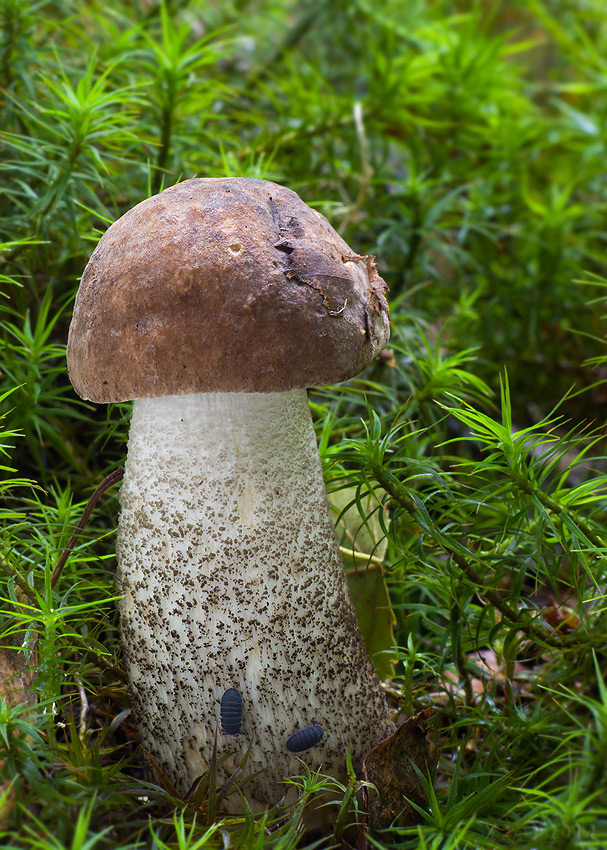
<point x="214" y="305"/>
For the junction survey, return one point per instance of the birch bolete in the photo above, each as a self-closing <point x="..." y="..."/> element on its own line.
<point x="214" y="305"/>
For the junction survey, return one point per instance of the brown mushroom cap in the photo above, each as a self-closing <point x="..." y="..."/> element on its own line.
<point x="223" y="285"/>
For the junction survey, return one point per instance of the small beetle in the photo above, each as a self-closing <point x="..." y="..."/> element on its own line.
<point x="230" y="711"/>
<point x="303" y="739"/>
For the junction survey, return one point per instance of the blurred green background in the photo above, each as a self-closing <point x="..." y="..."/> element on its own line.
<point x="463" y="144"/>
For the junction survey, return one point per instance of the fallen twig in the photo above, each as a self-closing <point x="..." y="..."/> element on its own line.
<point x="108" y="482"/>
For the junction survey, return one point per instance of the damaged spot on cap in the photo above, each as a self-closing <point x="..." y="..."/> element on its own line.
<point x="339" y="312"/>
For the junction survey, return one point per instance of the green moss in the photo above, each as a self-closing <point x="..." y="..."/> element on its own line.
<point x="462" y="144"/>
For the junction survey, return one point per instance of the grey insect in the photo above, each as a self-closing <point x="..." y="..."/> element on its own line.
<point x="230" y="711"/>
<point x="303" y="739"/>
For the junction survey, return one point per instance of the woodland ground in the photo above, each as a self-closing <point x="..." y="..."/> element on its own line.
<point x="464" y="145"/>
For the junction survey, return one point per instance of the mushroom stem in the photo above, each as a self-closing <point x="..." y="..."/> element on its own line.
<point x="231" y="577"/>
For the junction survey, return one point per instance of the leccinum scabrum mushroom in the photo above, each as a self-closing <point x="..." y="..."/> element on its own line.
<point x="214" y="305"/>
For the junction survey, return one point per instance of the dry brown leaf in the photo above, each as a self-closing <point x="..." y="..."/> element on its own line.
<point x="15" y="679"/>
<point x="15" y="687"/>
<point x="389" y="766"/>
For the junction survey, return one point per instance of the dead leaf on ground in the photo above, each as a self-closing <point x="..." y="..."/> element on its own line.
<point x="15" y="679"/>
<point x="560" y="616"/>
<point x="15" y="687"/>
<point x="390" y="767"/>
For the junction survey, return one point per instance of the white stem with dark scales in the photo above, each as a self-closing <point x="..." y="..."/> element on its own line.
<point x="231" y="577"/>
